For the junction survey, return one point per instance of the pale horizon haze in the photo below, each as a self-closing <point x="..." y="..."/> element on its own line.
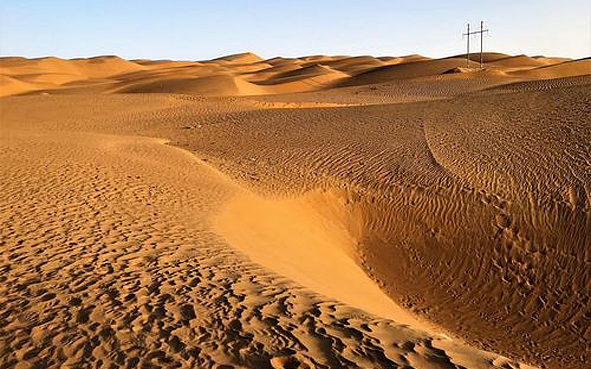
<point x="199" y="30"/>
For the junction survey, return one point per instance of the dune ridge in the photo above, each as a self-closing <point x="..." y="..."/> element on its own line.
<point x="248" y="74"/>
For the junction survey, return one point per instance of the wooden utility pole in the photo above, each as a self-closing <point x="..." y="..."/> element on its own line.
<point x="482" y="30"/>
<point x="468" y="34"/>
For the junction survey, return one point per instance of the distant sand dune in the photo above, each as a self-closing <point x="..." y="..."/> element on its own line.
<point x="221" y="85"/>
<point x="13" y="86"/>
<point x="558" y="70"/>
<point x="233" y="75"/>
<point x="519" y="61"/>
<point x="243" y="58"/>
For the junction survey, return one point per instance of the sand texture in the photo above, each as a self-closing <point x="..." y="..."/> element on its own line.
<point x="313" y="212"/>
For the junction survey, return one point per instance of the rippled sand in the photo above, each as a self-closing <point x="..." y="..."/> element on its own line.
<point x="390" y="215"/>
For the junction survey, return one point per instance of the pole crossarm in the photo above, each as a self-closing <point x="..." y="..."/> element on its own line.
<point x="475" y="32"/>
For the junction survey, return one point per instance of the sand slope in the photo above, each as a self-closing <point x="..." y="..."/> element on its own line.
<point x="390" y="220"/>
<point x="116" y="265"/>
<point x="563" y="69"/>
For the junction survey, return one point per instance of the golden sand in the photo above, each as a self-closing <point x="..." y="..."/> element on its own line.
<point x="373" y="212"/>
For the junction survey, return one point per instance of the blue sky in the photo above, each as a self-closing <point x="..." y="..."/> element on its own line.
<point x="200" y="29"/>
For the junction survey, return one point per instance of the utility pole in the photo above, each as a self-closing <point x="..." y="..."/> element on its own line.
<point x="482" y="30"/>
<point x="468" y="34"/>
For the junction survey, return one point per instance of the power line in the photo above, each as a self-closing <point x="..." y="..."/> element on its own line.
<point x="468" y="34"/>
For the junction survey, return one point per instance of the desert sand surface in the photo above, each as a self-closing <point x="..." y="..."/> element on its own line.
<point x="322" y="211"/>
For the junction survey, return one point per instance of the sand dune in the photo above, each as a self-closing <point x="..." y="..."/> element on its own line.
<point x="550" y="59"/>
<point x="487" y="57"/>
<point x="414" y="69"/>
<point x="277" y="61"/>
<point x="323" y="211"/>
<point x="104" y="66"/>
<point x="243" y="58"/>
<point x="249" y="74"/>
<point x="17" y="66"/>
<point x="441" y="198"/>
<point x="13" y="86"/>
<point x="160" y="64"/>
<point x="312" y="70"/>
<point x="356" y="64"/>
<point x="125" y="269"/>
<point x="272" y="71"/>
<point x="222" y="85"/>
<point x="563" y="69"/>
<point x="543" y="84"/>
<point x="519" y="61"/>
<point x="313" y="75"/>
<point x="100" y="66"/>
<point x="48" y="78"/>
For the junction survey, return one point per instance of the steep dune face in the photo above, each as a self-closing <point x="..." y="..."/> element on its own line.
<point x="319" y="231"/>
<point x="458" y="215"/>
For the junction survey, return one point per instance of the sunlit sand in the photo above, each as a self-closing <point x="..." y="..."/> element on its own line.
<point x="322" y="211"/>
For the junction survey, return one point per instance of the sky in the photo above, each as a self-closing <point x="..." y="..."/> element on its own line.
<point x="205" y="29"/>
